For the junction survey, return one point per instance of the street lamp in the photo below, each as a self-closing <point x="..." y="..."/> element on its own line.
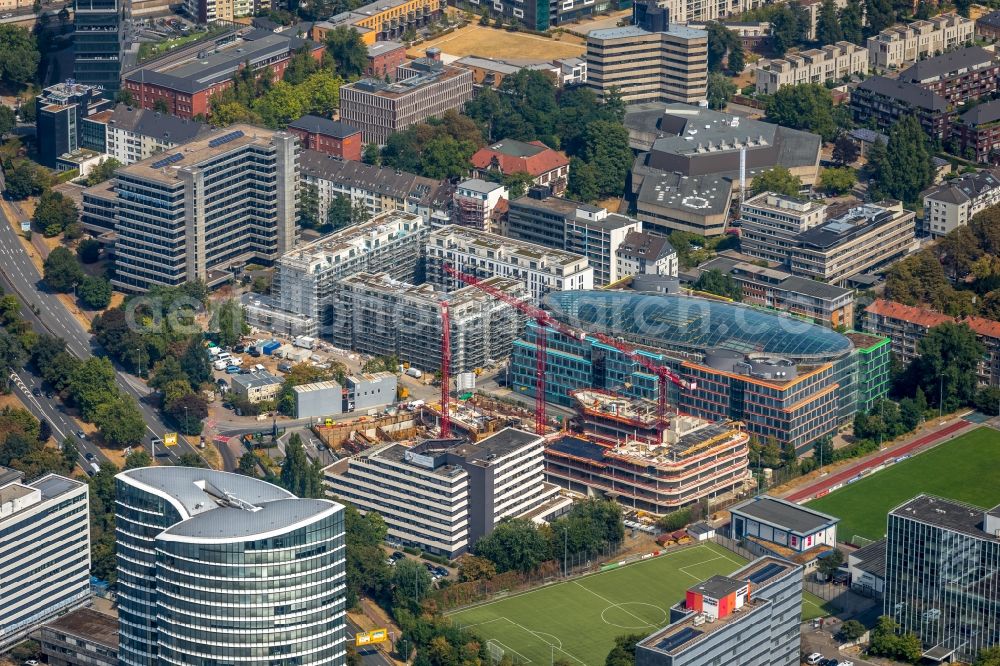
<point x="187" y="426"/>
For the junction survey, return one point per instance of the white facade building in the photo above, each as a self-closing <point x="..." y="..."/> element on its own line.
<point x="44" y="551"/>
<point x="830" y="63"/>
<point x="772" y="221"/>
<point x="597" y="235"/>
<point x="483" y="254"/>
<point x="475" y="203"/>
<point x="901" y="44"/>
<point x="953" y="203"/>
<point x="642" y="253"/>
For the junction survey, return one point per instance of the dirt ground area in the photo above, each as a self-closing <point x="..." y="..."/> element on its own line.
<point x="494" y="43"/>
<point x="599" y="22"/>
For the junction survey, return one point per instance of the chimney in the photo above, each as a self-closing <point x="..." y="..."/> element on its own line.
<point x="434" y="53"/>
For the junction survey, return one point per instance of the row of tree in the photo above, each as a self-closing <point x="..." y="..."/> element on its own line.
<point x="63" y="272"/>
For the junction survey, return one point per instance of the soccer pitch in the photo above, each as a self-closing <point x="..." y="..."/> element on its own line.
<point x="578" y="620"/>
<point x="966" y="469"/>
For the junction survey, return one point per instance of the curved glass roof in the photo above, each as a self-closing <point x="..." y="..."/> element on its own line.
<point x="694" y="324"/>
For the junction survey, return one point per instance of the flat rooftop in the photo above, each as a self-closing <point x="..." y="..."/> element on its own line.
<point x="225" y="523"/>
<point x="502" y="443"/>
<point x="88" y="624"/>
<point x="946" y="514"/>
<point x="787" y="515"/>
<point x="475" y="238"/>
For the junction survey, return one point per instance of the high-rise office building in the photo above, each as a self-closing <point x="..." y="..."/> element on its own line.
<point x="60" y="111"/>
<point x="99" y="43"/>
<point x="45" y="552"/>
<point x="941" y="563"/>
<point x="219" y="568"/>
<point x="202" y="210"/>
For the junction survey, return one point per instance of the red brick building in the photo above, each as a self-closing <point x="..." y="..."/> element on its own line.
<point x="384" y="58"/>
<point x="957" y="76"/>
<point x="976" y="133"/>
<point x="185" y="88"/>
<point x="328" y="136"/>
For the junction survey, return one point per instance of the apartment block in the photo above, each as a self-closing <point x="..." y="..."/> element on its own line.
<point x="541" y="15"/>
<point x="378" y="189"/>
<point x="906" y="326"/>
<point x="977" y="133"/>
<point x="953" y="203"/>
<point x="328" y="136"/>
<point x="833" y="62"/>
<point x="213" y="205"/>
<point x="133" y="134"/>
<point x="901" y="44"/>
<point x="483" y="255"/>
<point x="546" y="166"/>
<point x="642" y="253"/>
<point x="749" y="617"/>
<point x="651" y="61"/>
<point x="307" y="277"/>
<point x="941" y="558"/>
<point x="45" y="562"/>
<point x="958" y="76"/>
<point x="770" y="223"/>
<point x="60" y="112"/>
<point x="479" y="204"/>
<point x="444" y="495"/>
<point x="574" y="226"/>
<point x="882" y="101"/>
<point x="382" y="20"/>
<point x="376" y="315"/>
<point x="423" y="88"/>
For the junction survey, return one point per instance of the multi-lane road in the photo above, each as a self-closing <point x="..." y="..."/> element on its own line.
<point x="48" y="314"/>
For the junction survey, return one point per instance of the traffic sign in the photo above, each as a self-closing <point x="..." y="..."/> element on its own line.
<point x="170" y="439"/>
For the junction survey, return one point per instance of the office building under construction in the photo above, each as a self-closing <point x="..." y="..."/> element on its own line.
<point x="620" y="455"/>
<point x="377" y="315"/>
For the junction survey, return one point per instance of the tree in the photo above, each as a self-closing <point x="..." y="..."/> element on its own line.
<point x="191" y="460"/>
<point x="19" y="56"/>
<point x="904" y="169"/>
<point x="829" y="563"/>
<point x="806" y="106"/>
<point x="103" y="171"/>
<point x="372" y="155"/>
<point x="789" y="26"/>
<point x="298" y="475"/>
<point x="716" y="282"/>
<point x="988" y="657"/>
<point x="582" y="184"/>
<point x="367" y="572"/>
<point x="948" y="358"/>
<point x="95" y="292"/>
<point x="231" y="323"/>
<point x="517" y="183"/>
<point x="195" y="364"/>
<point x="92" y="384"/>
<point x="88" y="251"/>
<point x="778" y="180"/>
<point x="8" y="121"/>
<point x="851" y="630"/>
<point x="44" y="431"/>
<point x="852" y="21"/>
<point x="475" y="568"/>
<point x="411" y="583"/>
<point x="828" y="29"/>
<point x="54" y="213"/>
<point x="338" y="213"/>
<point x="188" y="411"/>
<point x="160" y="106"/>
<point x="300" y="66"/>
<point x="514" y="545"/>
<point x="62" y="271"/>
<point x="823" y="451"/>
<point x="845" y="151"/>
<point x="607" y="146"/>
<point x="12" y="352"/>
<point x="138" y="458"/>
<point x="837" y="181"/>
<point x="623" y="653"/>
<point x="348" y="50"/>
<point x="309" y="206"/>
<point x="24" y="180"/>
<point x="248" y="464"/>
<point x="720" y="90"/>
<point x="280" y="105"/>
<point x="120" y="422"/>
<point x="445" y="157"/>
<point x="722" y="42"/>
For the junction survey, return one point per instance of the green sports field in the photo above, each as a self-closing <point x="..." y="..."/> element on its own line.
<point x="579" y="620"/>
<point x="966" y="469"/>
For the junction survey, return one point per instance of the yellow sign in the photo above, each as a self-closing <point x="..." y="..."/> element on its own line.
<point x="371" y="637"/>
<point x="170" y="439"/>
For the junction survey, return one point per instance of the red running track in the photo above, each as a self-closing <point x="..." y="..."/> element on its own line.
<point x="832" y="480"/>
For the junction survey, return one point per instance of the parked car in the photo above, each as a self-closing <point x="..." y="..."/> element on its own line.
<point x="441" y="571"/>
<point x="236" y="360"/>
<point x="814" y="658"/>
<point x="89" y="456"/>
<point x="253" y="351"/>
<point x="397" y="555"/>
<point x="220" y="365"/>
<point x="48" y="394"/>
<point x="239" y="349"/>
<point x="233" y="370"/>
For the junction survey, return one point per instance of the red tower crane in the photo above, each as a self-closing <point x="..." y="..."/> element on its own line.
<point x="544" y="319"/>
<point x="445" y="370"/>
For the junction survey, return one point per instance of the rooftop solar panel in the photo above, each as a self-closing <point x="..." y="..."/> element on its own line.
<point x="225" y="139"/>
<point x="765" y="573"/>
<point x="169" y="159"/>
<point x="676" y="640"/>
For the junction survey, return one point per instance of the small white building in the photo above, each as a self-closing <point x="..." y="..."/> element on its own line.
<point x="867" y="568"/>
<point x="642" y="253"/>
<point x="769" y="525"/>
<point x="953" y="203"/>
<point x="476" y="203"/>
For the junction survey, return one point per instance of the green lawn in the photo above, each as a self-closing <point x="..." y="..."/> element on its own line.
<point x="966" y="469"/>
<point x="579" y="620"/>
<point x="813" y="607"/>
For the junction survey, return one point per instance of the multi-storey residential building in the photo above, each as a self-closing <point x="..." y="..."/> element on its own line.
<point x="773" y="526"/>
<point x="328" y="136"/>
<point x="445" y="495"/>
<point x="507" y="157"/>
<point x="883" y="101"/>
<point x="650" y="61"/>
<point x="217" y="202"/>
<point x="976" y="133"/>
<point x="906" y="326"/>
<point x="256" y="386"/>
<point x="898" y="44"/>
<point x="83" y="637"/>
<point x="423" y="88"/>
<point x="479" y="204"/>
<point x="45" y="561"/>
<point x="384" y="58"/>
<point x="801" y="381"/>
<point x="541" y="15"/>
<point x="383" y="20"/>
<point x="378" y="189"/>
<point x="642" y="253"/>
<point x="204" y="570"/>
<point x="376" y="315"/>
<point x="594" y="233"/>
<point x="957" y="76"/>
<point x="941" y="559"/>
<point x="695" y="459"/>
<point x="863" y="239"/>
<point x="60" y="111"/>
<point x="187" y="86"/>
<point x="749" y="617"/>
<point x="483" y="254"/>
<point x="874" y="358"/>
<point x="829" y="63"/>
<point x="953" y="203"/>
<point x="770" y="223"/>
<point x="99" y="42"/>
<point x="132" y="134"/>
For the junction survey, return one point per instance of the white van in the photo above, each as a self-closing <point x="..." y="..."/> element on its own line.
<point x="220" y="364"/>
<point x="236" y="360"/>
<point x="224" y="356"/>
<point x="259" y="368"/>
<point x="814" y="658"/>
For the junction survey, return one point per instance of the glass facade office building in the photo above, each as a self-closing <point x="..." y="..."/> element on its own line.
<point x="941" y="575"/>
<point x="217" y="568"/>
<point x="99" y="43"/>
